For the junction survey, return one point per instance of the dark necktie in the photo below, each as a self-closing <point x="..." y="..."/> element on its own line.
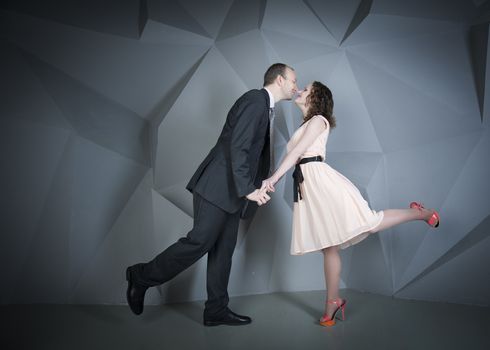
<point x="271" y="138"/>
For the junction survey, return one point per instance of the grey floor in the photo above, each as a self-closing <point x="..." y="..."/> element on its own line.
<point x="280" y="321"/>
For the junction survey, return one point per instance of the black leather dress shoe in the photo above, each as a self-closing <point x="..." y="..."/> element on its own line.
<point x="230" y="319"/>
<point x="135" y="293"/>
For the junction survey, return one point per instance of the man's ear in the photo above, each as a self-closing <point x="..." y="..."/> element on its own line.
<point x="280" y="79"/>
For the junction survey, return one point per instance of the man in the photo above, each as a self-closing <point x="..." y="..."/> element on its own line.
<point x="225" y="187"/>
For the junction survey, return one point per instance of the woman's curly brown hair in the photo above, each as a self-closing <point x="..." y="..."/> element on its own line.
<point x="320" y="102"/>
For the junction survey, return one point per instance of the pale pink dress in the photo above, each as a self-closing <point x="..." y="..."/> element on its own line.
<point x="332" y="211"/>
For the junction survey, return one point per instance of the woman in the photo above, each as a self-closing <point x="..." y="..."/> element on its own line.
<point x="329" y="211"/>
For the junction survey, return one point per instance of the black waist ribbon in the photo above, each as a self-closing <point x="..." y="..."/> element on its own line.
<point x="298" y="175"/>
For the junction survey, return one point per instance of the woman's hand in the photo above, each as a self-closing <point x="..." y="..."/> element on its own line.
<point x="268" y="185"/>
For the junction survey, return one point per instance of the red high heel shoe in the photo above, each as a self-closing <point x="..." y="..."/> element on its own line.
<point x="434" y="219"/>
<point x="330" y="321"/>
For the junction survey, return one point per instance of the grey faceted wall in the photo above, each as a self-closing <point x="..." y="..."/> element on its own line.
<point x="107" y="108"/>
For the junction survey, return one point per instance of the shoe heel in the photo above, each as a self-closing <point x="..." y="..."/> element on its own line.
<point x="416" y="205"/>
<point x="343" y="313"/>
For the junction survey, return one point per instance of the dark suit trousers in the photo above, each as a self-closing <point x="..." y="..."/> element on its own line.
<point x="214" y="232"/>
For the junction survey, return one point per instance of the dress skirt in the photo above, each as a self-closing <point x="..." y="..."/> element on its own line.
<point x="331" y="212"/>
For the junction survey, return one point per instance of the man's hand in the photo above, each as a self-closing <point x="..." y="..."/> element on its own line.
<point x="259" y="196"/>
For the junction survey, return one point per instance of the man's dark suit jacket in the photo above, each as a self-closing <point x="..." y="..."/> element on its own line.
<point x="239" y="161"/>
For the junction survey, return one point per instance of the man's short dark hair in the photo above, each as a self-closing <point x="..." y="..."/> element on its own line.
<point x="274" y="71"/>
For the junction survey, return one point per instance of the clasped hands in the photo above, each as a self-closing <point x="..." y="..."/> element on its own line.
<point x="260" y="194"/>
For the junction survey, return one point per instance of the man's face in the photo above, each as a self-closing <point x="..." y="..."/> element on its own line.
<point x="288" y="85"/>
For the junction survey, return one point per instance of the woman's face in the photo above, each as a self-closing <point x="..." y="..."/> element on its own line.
<point x="302" y="96"/>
